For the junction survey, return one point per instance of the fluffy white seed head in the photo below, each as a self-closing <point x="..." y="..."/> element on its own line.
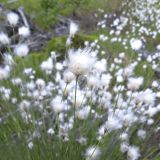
<point x="113" y="123"/>
<point x="120" y="79"/>
<point x="135" y="83"/>
<point x="147" y="97"/>
<point x="83" y="113"/>
<point x="105" y="80"/>
<point x="92" y="82"/>
<point x="128" y="71"/>
<point x="80" y="62"/>
<point x="8" y="60"/>
<point x="73" y="28"/>
<point x="150" y="121"/>
<point x="59" y="66"/>
<point x="124" y="147"/>
<point x="141" y="134"/>
<point x="68" y="76"/>
<point x="21" y="50"/>
<point x="57" y="105"/>
<point x="16" y="81"/>
<point x="100" y="66"/>
<point x="4" y="72"/>
<point x="124" y="136"/>
<point x="47" y="65"/>
<point x="50" y="131"/>
<point x="4" y="39"/>
<point x="30" y="145"/>
<point x="40" y="83"/>
<point x="12" y="18"/>
<point x="102" y="130"/>
<point x="136" y="44"/>
<point x="24" y="31"/>
<point x="93" y="153"/>
<point x="133" y="153"/>
<point x="80" y="99"/>
<point x="152" y="111"/>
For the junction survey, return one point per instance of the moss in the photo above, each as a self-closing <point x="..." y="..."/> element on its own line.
<point x="79" y="39"/>
<point x="58" y="44"/>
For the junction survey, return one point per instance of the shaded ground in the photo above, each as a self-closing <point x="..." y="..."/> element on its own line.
<point x="39" y="37"/>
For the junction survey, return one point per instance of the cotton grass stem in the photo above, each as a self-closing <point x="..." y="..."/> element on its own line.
<point x="63" y="95"/>
<point x="75" y="99"/>
<point x="14" y="35"/>
<point x="116" y="104"/>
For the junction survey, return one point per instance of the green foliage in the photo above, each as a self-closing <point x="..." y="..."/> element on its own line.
<point x="46" y="12"/>
<point x="79" y="39"/>
<point x="147" y="73"/>
<point x="77" y="3"/>
<point x="152" y="43"/>
<point x="50" y="10"/>
<point x="57" y="44"/>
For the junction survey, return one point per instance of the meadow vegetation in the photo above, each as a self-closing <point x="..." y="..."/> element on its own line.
<point x="93" y="94"/>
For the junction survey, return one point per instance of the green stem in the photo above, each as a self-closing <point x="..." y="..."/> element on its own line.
<point x="75" y="99"/>
<point x="14" y="38"/>
<point x="117" y="99"/>
<point x="64" y="91"/>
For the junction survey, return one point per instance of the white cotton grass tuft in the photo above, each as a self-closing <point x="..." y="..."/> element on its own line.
<point x="100" y="66"/>
<point x="128" y="71"/>
<point x="141" y="134"/>
<point x="93" y="153"/>
<point x="83" y="113"/>
<point x="24" y="31"/>
<point x="8" y="59"/>
<point x="4" y="72"/>
<point x="133" y="153"/>
<point x="124" y="147"/>
<point x="12" y="18"/>
<point x="40" y="83"/>
<point x="80" y="98"/>
<point x="68" y="76"/>
<point x="50" y="131"/>
<point x="113" y="123"/>
<point x="147" y="97"/>
<point x="92" y="82"/>
<point x="21" y="50"/>
<point x="136" y="44"/>
<point x="4" y="39"/>
<point x="135" y="83"/>
<point x="105" y="80"/>
<point x="151" y="111"/>
<point x="124" y="136"/>
<point x="47" y="65"/>
<point x="57" y="105"/>
<point x="30" y="145"/>
<point x="80" y="62"/>
<point x="73" y="28"/>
